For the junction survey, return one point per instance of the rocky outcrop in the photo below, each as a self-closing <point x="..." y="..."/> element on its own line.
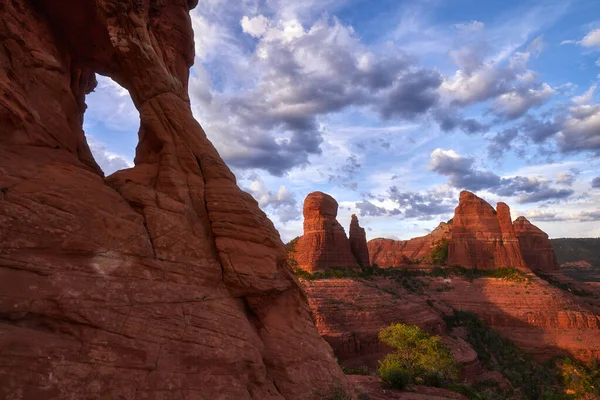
<point x="541" y="319"/>
<point x="161" y="281"/>
<point x="324" y="244"/>
<point x="387" y="253"/>
<point x="482" y="237"/>
<point x="350" y="314"/>
<point x="358" y="242"/>
<point x="535" y="246"/>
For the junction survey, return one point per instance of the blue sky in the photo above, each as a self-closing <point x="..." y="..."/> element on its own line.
<point x="393" y="107"/>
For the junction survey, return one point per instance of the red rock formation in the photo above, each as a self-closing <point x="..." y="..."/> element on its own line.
<point x="358" y="242"/>
<point x="543" y="320"/>
<point x="481" y="237"/>
<point x="535" y="246"/>
<point x="351" y="313"/>
<point x="324" y="244"/>
<point x="387" y="253"/>
<point x="162" y="281"/>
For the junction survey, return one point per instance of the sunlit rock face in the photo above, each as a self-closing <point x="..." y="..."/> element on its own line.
<point x="324" y="244"/>
<point x="160" y="281"/>
<point x="483" y="237"/>
<point x="387" y="253"/>
<point x="358" y="242"/>
<point x="537" y="250"/>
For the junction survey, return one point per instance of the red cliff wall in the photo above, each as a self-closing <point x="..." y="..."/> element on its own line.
<point x="387" y="253"/>
<point x="481" y="237"/>
<point x="161" y="281"/>
<point x="535" y="246"/>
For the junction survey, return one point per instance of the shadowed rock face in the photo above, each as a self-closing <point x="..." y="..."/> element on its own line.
<point x="483" y="237"/>
<point x="387" y="253"/>
<point x="324" y="244"/>
<point x="535" y="246"/>
<point x="358" y="242"/>
<point x="161" y="281"/>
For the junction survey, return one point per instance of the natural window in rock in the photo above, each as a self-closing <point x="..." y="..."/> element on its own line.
<point x="111" y="124"/>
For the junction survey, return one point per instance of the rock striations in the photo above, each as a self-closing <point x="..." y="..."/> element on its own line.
<point x="387" y="253"/>
<point x="324" y="244"/>
<point x="535" y="246"/>
<point x="358" y="242"/>
<point x="161" y="281"/>
<point x="483" y="237"/>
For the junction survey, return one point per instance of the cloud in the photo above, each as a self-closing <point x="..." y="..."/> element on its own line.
<point x="585" y="98"/>
<point x="516" y="103"/>
<point x="501" y="143"/>
<point x="366" y="208"/>
<point x="581" y="130"/>
<point x="589" y="216"/>
<point x="449" y="120"/>
<point x="346" y="173"/>
<point x="568" y="178"/>
<point x="596" y="183"/>
<point x="472" y="26"/>
<point x="592" y="39"/>
<point x="423" y="206"/>
<point x="538" y="130"/>
<point x="108" y="161"/>
<point x="413" y="94"/>
<point x="461" y="171"/>
<point x="544" y="194"/>
<point x="463" y="174"/>
<point x="282" y="203"/>
<point x="298" y="75"/>
<point x="256" y="26"/>
<point x="544" y="216"/>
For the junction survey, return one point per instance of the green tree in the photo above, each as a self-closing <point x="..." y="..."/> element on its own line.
<point x="418" y="358"/>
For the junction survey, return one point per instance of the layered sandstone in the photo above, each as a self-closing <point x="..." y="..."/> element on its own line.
<point x="161" y="281"/>
<point x="536" y="248"/>
<point x="350" y="314"/>
<point x="483" y="237"/>
<point x="358" y="242"/>
<point x="543" y="320"/>
<point x="324" y="244"/>
<point x="387" y="253"/>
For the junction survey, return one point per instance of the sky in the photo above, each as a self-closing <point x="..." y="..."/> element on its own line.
<point x="393" y="107"/>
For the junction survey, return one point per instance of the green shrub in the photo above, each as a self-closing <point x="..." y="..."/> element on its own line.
<point x="561" y="285"/>
<point x="418" y="358"/>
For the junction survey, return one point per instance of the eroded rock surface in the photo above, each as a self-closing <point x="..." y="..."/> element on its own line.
<point x="535" y="246"/>
<point x="482" y="237"/>
<point x="324" y="244"/>
<point x="387" y="253"/>
<point x="358" y="242"/>
<point x="161" y="281"/>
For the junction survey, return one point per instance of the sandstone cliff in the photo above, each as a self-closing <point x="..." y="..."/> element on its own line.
<point x="161" y="281"/>
<point x="358" y="242"/>
<point x="324" y="244"/>
<point x="535" y="246"/>
<point x="387" y="253"/>
<point x="481" y="237"/>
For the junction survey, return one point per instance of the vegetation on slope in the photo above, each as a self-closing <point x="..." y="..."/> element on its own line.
<point x="418" y="358"/>
<point x="568" y="287"/>
<point x="559" y="379"/>
<point x="571" y="249"/>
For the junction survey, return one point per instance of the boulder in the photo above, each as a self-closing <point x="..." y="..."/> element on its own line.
<point x="358" y="242"/>
<point x="537" y="250"/>
<point x="161" y="281"/>
<point x="324" y="244"/>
